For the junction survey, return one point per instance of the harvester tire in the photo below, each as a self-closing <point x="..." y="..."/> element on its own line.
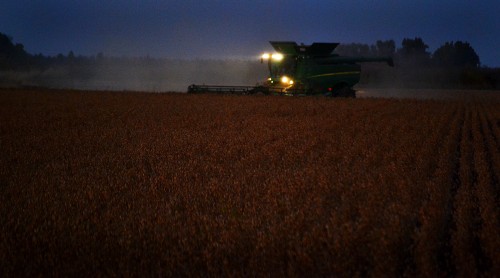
<point x="259" y="91"/>
<point x="345" y="91"/>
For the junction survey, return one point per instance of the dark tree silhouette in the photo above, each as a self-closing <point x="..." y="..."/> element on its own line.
<point x="12" y="56"/>
<point x="385" y="48"/>
<point x="414" y="52"/>
<point x="458" y="54"/>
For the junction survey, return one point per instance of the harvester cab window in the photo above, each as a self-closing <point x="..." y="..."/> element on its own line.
<point x="284" y="67"/>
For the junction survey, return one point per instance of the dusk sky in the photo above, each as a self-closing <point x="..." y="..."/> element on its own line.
<point x="242" y="29"/>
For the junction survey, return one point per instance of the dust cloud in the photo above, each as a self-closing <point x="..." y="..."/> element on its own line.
<point x="140" y="74"/>
<point x="174" y="75"/>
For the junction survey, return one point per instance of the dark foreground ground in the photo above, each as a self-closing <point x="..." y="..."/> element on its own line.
<point x="122" y="184"/>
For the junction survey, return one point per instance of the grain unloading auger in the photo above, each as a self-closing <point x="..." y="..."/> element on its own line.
<point x="303" y="70"/>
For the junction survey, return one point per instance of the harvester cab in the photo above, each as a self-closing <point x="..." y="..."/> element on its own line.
<point x="287" y="63"/>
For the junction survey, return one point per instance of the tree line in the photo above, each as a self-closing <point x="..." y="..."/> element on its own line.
<point x="13" y="56"/>
<point x="414" y="52"/>
<point x="452" y="65"/>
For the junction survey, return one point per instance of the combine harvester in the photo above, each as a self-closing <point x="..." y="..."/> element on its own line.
<point x="303" y="70"/>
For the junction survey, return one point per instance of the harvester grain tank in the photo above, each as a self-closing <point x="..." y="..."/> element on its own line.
<point x="304" y="70"/>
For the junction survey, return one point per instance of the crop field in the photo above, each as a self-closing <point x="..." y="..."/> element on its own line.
<point x="142" y="184"/>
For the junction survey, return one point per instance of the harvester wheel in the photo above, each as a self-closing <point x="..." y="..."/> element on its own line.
<point x="260" y="91"/>
<point x="345" y="91"/>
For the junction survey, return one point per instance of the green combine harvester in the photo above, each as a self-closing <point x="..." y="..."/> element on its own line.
<point x="303" y="70"/>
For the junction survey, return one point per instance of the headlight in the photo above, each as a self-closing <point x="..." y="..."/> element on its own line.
<point x="265" y="56"/>
<point x="277" y="56"/>
<point x="286" y="80"/>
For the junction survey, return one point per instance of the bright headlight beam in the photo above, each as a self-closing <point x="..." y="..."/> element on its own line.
<point x="266" y="56"/>
<point x="286" y="80"/>
<point x="277" y="56"/>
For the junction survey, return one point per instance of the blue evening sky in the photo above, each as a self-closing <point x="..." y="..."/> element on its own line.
<point x="242" y="28"/>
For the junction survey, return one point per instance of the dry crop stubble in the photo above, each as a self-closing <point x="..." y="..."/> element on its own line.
<point x="175" y="184"/>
